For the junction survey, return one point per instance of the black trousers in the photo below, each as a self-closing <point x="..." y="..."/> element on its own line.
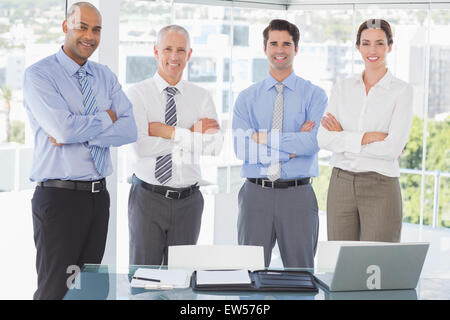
<point x="70" y="229"/>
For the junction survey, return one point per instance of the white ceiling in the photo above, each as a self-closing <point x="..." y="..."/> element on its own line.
<point x="285" y="4"/>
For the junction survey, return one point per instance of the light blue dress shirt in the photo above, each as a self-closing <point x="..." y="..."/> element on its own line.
<point x="54" y="102"/>
<point x="253" y="112"/>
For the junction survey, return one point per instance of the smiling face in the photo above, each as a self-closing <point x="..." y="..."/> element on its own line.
<point x="280" y="51"/>
<point x="374" y="48"/>
<point x="172" y="54"/>
<point x="82" y="31"/>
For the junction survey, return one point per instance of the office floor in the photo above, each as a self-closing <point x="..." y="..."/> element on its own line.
<point x="17" y="249"/>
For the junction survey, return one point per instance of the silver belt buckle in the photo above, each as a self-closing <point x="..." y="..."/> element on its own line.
<point x="174" y="191"/>
<point x="264" y="185"/>
<point x="93" y="187"/>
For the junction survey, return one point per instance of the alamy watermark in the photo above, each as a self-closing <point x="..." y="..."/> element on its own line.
<point x="374" y="280"/>
<point x="73" y="281"/>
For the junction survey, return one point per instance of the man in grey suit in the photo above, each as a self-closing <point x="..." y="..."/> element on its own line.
<point x="177" y="123"/>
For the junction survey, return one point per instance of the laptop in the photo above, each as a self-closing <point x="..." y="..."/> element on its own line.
<point x="375" y="267"/>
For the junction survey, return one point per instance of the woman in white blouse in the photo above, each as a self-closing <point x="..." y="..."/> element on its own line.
<point x="366" y="126"/>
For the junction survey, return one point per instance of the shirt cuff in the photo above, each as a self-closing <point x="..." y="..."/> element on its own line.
<point x="283" y="156"/>
<point x="182" y="136"/>
<point x="105" y="120"/>
<point x="353" y="141"/>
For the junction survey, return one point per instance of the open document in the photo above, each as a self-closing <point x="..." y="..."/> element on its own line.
<point x="160" y="279"/>
<point x="258" y="280"/>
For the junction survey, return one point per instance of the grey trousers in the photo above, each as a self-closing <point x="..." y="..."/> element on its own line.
<point x="155" y="222"/>
<point x="364" y="206"/>
<point x="288" y="216"/>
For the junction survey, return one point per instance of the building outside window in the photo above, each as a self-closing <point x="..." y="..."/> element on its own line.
<point x="228" y="57"/>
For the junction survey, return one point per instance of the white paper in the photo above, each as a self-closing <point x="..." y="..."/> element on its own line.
<point x="216" y="257"/>
<point x="168" y="278"/>
<point x="223" y="277"/>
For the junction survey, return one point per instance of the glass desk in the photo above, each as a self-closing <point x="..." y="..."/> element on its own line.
<point x="101" y="282"/>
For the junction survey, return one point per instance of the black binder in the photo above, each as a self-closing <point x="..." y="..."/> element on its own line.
<point x="265" y="280"/>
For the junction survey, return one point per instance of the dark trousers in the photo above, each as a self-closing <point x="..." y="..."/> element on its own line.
<point x="70" y="229"/>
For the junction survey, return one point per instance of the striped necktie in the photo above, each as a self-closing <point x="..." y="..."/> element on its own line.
<point x="90" y="107"/>
<point x="163" y="166"/>
<point x="274" y="170"/>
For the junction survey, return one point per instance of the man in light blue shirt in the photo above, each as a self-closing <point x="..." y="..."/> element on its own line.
<point x="77" y="111"/>
<point x="275" y="125"/>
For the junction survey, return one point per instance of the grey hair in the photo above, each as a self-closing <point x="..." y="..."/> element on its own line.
<point x="75" y="8"/>
<point x="173" y="28"/>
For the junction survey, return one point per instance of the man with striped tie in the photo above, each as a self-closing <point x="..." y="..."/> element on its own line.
<point x="77" y="111"/>
<point x="275" y="124"/>
<point x="177" y="123"/>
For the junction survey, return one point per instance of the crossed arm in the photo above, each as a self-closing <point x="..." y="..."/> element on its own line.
<point x="203" y="138"/>
<point x="111" y="114"/>
<point x="261" y="137"/>
<point x="330" y="123"/>
<point x="162" y="130"/>
<point x="265" y="147"/>
<point x="393" y="146"/>
<point x="372" y="144"/>
<point x="113" y="127"/>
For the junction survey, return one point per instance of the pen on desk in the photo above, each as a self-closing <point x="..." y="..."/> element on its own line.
<point x="147" y="279"/>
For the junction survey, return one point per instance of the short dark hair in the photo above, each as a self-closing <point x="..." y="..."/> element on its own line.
<point x="375" y="24"/>
<point x="282" y="25"/>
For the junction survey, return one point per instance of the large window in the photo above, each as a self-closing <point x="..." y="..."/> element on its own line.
<point x="140" y="68"/>
<point x="228" y="57"/>
<point x="29" y="31"/>
<point x="437" y="153"/>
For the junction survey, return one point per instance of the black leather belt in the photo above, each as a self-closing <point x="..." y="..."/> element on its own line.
<point x="168" y="192"/>
<point x="92" y="186"/>
<point x="280" y="184"/>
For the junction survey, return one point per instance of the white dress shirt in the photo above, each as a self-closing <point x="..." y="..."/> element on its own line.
<point x="388" y="108"/>
<point x="149" y="100"/>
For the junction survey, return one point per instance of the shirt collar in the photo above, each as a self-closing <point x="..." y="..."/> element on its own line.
<point x="384" y="82"/>
<point x="71" y="66"/>
<point x="162" y="84"/>
<point x="289" y="82"/>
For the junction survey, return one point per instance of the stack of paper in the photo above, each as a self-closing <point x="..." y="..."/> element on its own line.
<point x="223" y="277"/>
<point x="160" y="279"/>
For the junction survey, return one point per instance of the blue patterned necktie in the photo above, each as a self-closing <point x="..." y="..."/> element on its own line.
<point x="90" y="107"/>
<point x="163" y="166"/>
